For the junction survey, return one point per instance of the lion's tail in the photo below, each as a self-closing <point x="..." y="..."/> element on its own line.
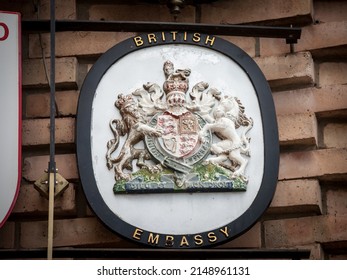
<point x="112" y="145"/>
<point x="245" y="139"/>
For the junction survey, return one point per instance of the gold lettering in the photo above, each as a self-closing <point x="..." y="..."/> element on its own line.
<point x="138" y="41"/>
<point x="174" y="35"/>
<point x="163" y="36"/>
<point x="169" y="240"/>
<point x="198" y="240"/>
<point x="225" y="231"/>
<point x="184" y="241"/>
<point x="185" y="36"/>
<point x="209" y="40"/>
<point x="137" y="233"/>
<point x="196" y="37"/>
<point x="153" y="239"/>
<point x="151" y="37"/>
<point x="212" y="237"/>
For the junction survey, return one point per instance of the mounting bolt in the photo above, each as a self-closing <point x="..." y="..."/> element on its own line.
<point x="175" y="6"/>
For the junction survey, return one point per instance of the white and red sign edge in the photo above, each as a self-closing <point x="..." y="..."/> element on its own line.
<point x="5" y="188"/>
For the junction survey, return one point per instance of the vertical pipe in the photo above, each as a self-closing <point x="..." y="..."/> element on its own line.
<point x="51" y="165"/>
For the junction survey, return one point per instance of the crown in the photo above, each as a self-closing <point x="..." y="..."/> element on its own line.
<point x="176" y="84"/>
<point x="124" y="101"/>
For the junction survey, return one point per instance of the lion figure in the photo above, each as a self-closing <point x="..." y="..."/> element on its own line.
<point x="134" y="126"/>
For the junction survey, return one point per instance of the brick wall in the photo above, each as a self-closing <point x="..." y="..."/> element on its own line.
<point x="309" y="87"/>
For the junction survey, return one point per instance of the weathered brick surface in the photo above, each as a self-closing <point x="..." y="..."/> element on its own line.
<point x="321" y="36"/>
<point x="322" y="40"/>
<point x="332" y="73"/>
<point x="7" y="235"/>
<point x="63" y="9"/>
<point x="325" y="164"/>
<point x="318" y="100"/>
<point x="76" y="43"/>
<point x="316" y="251"/>
<point x="247" y="44"/>
<point x="37" y="131"/>
<point x="29" y="10"/>
<point x="250" y="239"/>
<point x="140" y="12"/>
<point x="37" y="105"/>
<point x="301" y="231"/>
<point x="30" y="202"/>
<point x="297" y="129"/>
<point x="69" y="232"/>
<point x="33" y="167"/>
<point x="297" y="196"/>
<point x="287" y="71"/>
<point x="330" y="11"/>
<point x="271" y="47"/>
<point x="336" y="201"/>
<point x="65" y="72"/>
<point x="247" y="11"/>
<point x="335" y="135"/>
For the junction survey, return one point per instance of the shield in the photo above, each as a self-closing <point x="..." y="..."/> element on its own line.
<point x="179" y="134"/>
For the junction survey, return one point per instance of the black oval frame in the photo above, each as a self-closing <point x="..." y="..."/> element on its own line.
<point x="269" y="123"/>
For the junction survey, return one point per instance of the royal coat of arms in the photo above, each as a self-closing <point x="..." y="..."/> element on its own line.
<point x="175" y="139"/>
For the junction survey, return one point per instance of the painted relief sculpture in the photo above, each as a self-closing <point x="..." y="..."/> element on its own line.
<point x="191" y="141"/>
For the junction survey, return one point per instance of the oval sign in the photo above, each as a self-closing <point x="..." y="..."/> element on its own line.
<point x="177" y="140"/>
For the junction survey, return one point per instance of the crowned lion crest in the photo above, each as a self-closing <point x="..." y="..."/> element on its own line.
<point x="176" y="139"/>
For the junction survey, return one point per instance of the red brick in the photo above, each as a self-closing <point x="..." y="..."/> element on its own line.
<point x="7" y="235"/>
<point x="297" y="129"/>
<point x="65" y="72"/>
<point x="249" y="239"/>
<point x="324" y="164"/>
<point x="280" y="12"/>
<point x="76" y="43"/>
<point x="140" y="12"/>
<point x="317" y="100"/>
<point x="332" y="73"/>
<point x="33" y="167"/>
<point x="287" y="71"/>
<point x="37" y="131"/>
<point x="30" y="202"/>
<point x="38" y="104"/>
<point x="334" y="135"/>
<point x="69" y="232"/>
<point x="297" y="196"/>
<point x="308" y="230"/>
<point x="336" y="201"/>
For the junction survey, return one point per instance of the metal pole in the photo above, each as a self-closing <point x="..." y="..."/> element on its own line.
<point x="51" y="165"/>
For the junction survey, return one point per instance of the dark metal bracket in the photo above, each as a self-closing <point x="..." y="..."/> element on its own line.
<point x="291" y="34"/>
<point x="157" y="254"/>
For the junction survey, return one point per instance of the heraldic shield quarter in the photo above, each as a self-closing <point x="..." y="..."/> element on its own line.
<point x="177" y="140"/>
